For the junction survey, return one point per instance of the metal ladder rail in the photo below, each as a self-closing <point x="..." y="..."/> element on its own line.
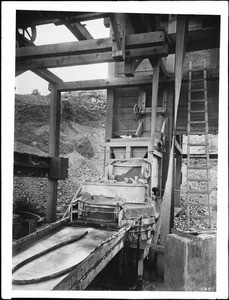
<point x="206" y="145"/>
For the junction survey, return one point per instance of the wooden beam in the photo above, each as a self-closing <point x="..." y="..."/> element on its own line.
<point x="43" y="73"/>
<point x="48" y="76"/>
<point x="199" y="39"/>
<point x="82" y="17"/>
<point x="103" y="83"/>
<point x="181" y="40"/>
<point x="85" y="59"/>
<point x="97" y="84"/>
<point x="65" y="49"/>
<point x="130" y="66"/>
<point x="54" y="140"/>
<point x="149" y="39"/>
<point x="78" y="30"/>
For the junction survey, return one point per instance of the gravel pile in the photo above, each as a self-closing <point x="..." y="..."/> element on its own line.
<point x="81" y="140"/>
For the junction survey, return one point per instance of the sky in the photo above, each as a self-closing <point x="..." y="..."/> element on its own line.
<point x="50" y="34"/>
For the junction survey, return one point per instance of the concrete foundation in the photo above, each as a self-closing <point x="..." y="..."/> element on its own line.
<point x="190" y="262"/>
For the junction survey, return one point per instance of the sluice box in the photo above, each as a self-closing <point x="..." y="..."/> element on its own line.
<point x="130" y="192"/>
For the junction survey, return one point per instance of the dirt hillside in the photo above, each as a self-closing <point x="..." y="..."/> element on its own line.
<point x="81" y="140"/>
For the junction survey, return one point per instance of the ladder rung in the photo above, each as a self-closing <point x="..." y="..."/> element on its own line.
<point x="198" y="144"/>
<point x="197" y="132"/>
<point x="197" y="111"/>
<point x="199" y="180"/>
<point x="200" y="217"/>
<point x="197" y="100"/>
<point x="197" y="79"/>
<point x="197" y="122"/>
<point x="197" y="155"/>
<point x="197" y="192"/>
<point x="199" y="168"/>
<point x="197" y="90"/>
<point x="202" y="204"/>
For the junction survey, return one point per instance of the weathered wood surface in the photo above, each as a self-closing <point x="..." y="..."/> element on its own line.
<point x="54" y="145"/>
<point x="59" y="259"/>
<point x="87" y="270"/>
<point x="39" y="234"/>
<point x="148" y="39"/>
<point x="110" y="114"/>
<point x="130" y="192"/>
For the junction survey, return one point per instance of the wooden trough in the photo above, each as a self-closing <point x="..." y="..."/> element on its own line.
<point x="71" y="267"/>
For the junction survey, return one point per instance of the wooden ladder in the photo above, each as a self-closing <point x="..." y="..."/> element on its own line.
<point x="198" y="160"/>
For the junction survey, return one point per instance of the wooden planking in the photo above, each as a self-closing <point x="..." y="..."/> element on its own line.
<point x="127" y="92"/>
<point x="87" y="270"/>
<point x="39" y="234"/>
<point x="126" y="102"/>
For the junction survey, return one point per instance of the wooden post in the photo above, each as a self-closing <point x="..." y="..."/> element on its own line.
<point x="167" y="215"/>
<point x="109" y="114"/>
<point x="168" y="136"/>
<point x="155" y="64"/>
<point x="54" y="140"/>
<point x="177" y="180"/>
<point x="170" y="61"/>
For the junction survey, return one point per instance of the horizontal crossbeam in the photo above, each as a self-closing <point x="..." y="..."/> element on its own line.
<point x="132" y="41"/>
<point x="31" y="165"/>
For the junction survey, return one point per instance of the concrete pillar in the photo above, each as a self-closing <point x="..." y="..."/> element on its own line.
<point x="190" y="263"/>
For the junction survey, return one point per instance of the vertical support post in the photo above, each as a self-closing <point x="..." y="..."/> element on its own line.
<point x="155" y="85"/>
<point x="109" y="114"/>
<point x="155" y="65"/>
<point x="170" y="60"/>
<point x="166" y="218"/>
<point x="54" y="141"/>
<point x="177" y="180"/>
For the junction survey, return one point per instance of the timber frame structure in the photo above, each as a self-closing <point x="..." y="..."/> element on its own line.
<point x="148" y="56"/>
